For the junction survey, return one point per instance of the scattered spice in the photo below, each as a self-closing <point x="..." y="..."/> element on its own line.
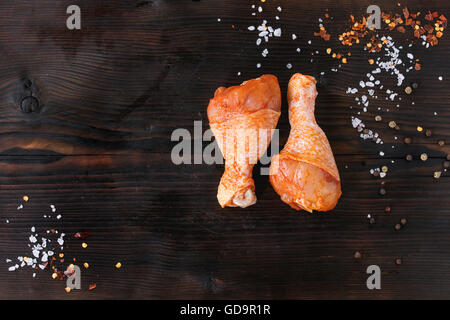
<point x="403" y="221"/>
<point x="397" y="227"/>
<point x="382" y="191"/>
<point x="428" y="133"/>
<point x="419" y="129"/>
<point x="387" y="209"/>
<point x="378" y="118"/>
<point x="67" y="289"/>
<point x="86" y="265"/>
<point x="392" y="124"/>
<point x="84" y="245"/>
<point x="357" y="255"/>
<point x="118" y="265"/>
<point x="408" y="140"/>
<point x="441" y="143"/>
<point x="437" y="174"/>
<point x="424" y="157"/>
<point x="398" y="261"/>
<point x="446" y="164"/>
<point x="26" y="198"/>
<point x="92" y="286"/>
<point x="415" y="85"/>
<point x="409" y="157"/>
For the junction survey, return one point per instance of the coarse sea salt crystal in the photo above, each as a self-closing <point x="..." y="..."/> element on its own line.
<point x="294" y="36"/>
<point x="277" y="32"/>
<point x="356" y="122"/>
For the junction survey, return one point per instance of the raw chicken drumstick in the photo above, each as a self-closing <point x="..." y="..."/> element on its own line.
<point x="304" y="174"/>
<point x="242" y="119"/>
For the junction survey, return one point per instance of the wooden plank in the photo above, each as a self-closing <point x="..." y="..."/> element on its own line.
<point x="99" y="149"/>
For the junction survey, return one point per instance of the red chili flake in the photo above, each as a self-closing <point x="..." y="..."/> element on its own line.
<point x="435" y="14"/>
<point x="417" y="66"/>
<point x="401" y="29"/>
<point x="442" y="17"/>
<point x="432" y="39"/>
<point x="429" y="16"/>
<point x="428" y="28"/>
<point x="81" y="235"/>
<point x="406" y="12"/>
<point x="92" y="286"/>
<point x="416" y="33"/>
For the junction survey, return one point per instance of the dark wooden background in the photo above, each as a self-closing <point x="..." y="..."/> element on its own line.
<point x="99" y="149"/>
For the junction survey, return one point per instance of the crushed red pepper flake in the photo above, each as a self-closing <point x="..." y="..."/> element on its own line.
<point x="81" y="235"/>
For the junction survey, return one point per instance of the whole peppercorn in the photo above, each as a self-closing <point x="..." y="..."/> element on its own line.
<point x="408" y="140"/>
<point x="409" y="157"/>
<point x="397" y="227"/>
<point x="382" y="191"/>
<point x="403" y="221"/>
<point x="357" y="255"/>
<point x="408" y="90"/>
<point x="398" y="261"/>
<point x="414" y="85"/>
<point x="441" y="143"/>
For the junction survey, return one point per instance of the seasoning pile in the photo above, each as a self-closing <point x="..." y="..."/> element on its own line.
<point x="45" y="253"/>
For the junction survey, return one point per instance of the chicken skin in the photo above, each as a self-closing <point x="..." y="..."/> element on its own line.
<point x="305" y="174"/>
<point x="243" y="119"/>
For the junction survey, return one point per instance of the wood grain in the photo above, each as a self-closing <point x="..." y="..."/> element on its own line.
<point x="99" y="149"/>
